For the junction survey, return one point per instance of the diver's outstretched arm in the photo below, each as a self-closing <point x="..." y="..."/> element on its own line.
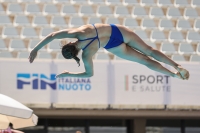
<point x="67" y="33"/>
<point x="88" y="63"/>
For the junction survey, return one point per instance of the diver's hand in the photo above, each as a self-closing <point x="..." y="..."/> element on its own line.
<point x="32" y="55"/>
<point x="63" y="74"/>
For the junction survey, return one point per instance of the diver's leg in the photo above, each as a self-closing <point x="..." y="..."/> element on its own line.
<point x="126" y="52"/>
<point x="138" y="44"/>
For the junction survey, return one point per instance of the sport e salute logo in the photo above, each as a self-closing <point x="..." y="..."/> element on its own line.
<point x="147" y="83"/>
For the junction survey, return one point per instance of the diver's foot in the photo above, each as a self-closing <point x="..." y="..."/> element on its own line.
<point x="178" y="75"/>
<point x="184" y="73"/>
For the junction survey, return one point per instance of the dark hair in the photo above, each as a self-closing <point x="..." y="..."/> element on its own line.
<point x="70" y="51"/>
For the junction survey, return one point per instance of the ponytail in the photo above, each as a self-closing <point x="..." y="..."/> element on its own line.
<point x="77" y="60"/>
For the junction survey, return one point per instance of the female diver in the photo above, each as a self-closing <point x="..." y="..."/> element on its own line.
<point x="116" y="39"/>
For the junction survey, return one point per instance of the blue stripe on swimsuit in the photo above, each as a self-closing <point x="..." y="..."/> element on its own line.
<point x="116" y="38"/>
<point x="92" y="39"/>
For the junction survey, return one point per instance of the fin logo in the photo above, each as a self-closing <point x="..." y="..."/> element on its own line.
<point x="37" y="81"/>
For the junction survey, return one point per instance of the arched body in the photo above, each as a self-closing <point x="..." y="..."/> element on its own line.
<point x="118" y="40"/>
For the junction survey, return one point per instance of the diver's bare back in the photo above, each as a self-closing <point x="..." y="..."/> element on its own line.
<point x="104" y="32"/>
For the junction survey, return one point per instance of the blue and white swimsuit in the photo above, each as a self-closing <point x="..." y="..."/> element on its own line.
<point x="116" y="38"/>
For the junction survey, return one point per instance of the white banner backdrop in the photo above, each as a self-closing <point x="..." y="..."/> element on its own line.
<point x="115" y="83"/>
<point x="21" y="81"/>
<point x="82" y="90"/>
<point x="35" y="83"/>
<point x="186" y="92"/>
<point x="137" y="84"/>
